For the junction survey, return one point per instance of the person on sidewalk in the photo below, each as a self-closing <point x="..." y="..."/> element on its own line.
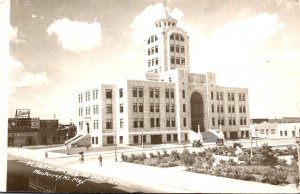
<point x="100" y="160"/>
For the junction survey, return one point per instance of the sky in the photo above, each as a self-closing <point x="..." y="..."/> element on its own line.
<point x="59" y="47"/>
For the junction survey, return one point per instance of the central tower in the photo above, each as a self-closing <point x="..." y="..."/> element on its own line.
<point x="167" y="47"/>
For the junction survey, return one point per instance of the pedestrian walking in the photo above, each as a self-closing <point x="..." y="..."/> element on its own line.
<point x="81" y="158"/>
<point x="100" y="160"/>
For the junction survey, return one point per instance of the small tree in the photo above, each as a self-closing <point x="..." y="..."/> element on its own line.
<point x="266" y="156"/>
<point x="187" y="158"/>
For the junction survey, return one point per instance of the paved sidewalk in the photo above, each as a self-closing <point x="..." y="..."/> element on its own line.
<point x="153" y="179"/>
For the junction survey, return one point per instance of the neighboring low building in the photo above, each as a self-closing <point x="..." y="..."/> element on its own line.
<point x="275" y="130"/>
<point x="35" y="131"/>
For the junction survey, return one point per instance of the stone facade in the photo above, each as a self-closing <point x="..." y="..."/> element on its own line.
<point x="167" y="102"/>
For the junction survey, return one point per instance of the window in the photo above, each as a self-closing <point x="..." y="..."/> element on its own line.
<point x="134" y="92"/>
<point x="156" y="107"/>
<point x="168" y="122"/>
<point x="221" y="108"/>
<point x="177" y="48"/>
<point x="175" y="137"/>
<point x="240" y="109"/>
<point x="156" y="61"/>
<point x="121" y="92"/>
<point x="121" y="108"/>
<point x="156" y="93"/>
<point x="156" y="49"/>
<point x="172" y="107"/>
<point x="168" y="137"/>
<point x="172" y="93"/>
<point x="285" y="133"/>
<point x="182" y="61"/>
<point x="135" y="139"/>
<point x="108" y="93"/>
<point x="80" y="98"/>
<point x="177" y="60"/>
<point x="272" y="131"/>
<point x="141" y="107"/>
<point x="149" y="63"/>
<point x="95" y="94"/>
<point x="151" y="92"/>
<point x="109" y="124"/>
<point x="92" y="140"/>
<point x="262" y="131"/>
<point x="135" y="123"/>
<point x="172" y="37"/>
<point x="233" y="109"/>
<point x="212" y="95"/>
<point x="221" y="95"/>
<point x="157" y="122"/>
<point x="149" y="51"/>
<point x="141" y="123"/>
<point x="182" y="49"/>
<point x="244" y="109"/>
<point x="184" y="121"/>
<point x="183" y="107"/>
<point x="167" y="93"/>
<point x="213" y="121"/>
<point x="134" y="107"/>
<point x="172" y="48"/>
<point x="141" y="93"/>
<point x="170" y="79"/>
<point x="176" y="37"/>
<point x="172" y="60"/>
<point x="183" y="93"/>
<point x="109" y="108"/>
<point x="212" y="108"/>
<point x="121" y="139"/>
<point x="151" y="122"/>
<point x="96" y="140"/>
<point x="121" y="123"/>
<point x="151" y="107"/>
<point x="173" y="122"/>
<point x="167" y="108"/>
<point x="96" y="124"/>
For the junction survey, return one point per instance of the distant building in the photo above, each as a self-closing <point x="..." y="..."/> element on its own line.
<point x="36" y="131"/>
<point x="276" y="120"/>
<point x="276" y="130"/>
<point x="168" y="102"/>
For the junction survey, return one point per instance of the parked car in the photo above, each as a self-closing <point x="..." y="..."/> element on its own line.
<point x="197" y="143"/>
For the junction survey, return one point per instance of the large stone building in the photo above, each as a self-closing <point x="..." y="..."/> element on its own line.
<point x="167" y="103"/>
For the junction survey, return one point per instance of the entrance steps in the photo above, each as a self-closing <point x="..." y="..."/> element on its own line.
<point x="81" y="141"/>
<point x="209" y="137"/>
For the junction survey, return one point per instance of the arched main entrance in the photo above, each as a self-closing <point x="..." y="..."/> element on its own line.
<point x="197" y="112"/>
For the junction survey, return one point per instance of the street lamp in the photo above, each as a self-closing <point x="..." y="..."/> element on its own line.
<point x="67" y="143"/>
<point x="251" y="144"/>
<point x="116" y="160"/>
<point x="13" y="139"/>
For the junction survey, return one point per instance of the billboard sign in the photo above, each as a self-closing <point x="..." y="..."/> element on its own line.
<point x="22" y="113"/>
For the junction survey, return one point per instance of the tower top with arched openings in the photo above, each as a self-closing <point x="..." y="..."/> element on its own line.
<point x="167" y="47"/>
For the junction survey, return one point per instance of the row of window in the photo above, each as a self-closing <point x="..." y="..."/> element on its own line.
<point x="176" y="36"/>
<point x="152" y="62"/>
<point x="179" y="61"/>
<point x="231" y="121"/>
<point x="152" y="38"/>
<point x="165" y="24"/>
<point x="87" y="96"/>
<point x="88" y="110"/>
<point x="231" y="108"/>
<point x="262" y="131"/>
<point x="176" y="48"/>
<point x="230" y="96"/>
<point x="153" y="50"/>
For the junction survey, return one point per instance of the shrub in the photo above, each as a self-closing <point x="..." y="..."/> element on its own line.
<point x="141" y="157"/>
<point x="231" y="162"/>
<point x="222" y="162"/>
<point x="151" y="155"/>
<point x="274" y="176"/>
<point x="266" y="156"/>
<point x="165" y="154"/>
<point x="150" y="162"/>
<point x="187" y="158"/>
<point x="282" y="162"/>
<point x="158" y="154"/>
<point x="133" y="156"/>
<point x="237" y="145"/>
<point x="175" y="155"/>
